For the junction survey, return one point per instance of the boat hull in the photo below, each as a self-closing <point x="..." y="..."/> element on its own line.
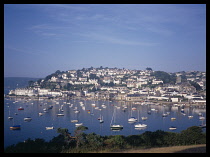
<point x="49" y="128"/>
<point x="140" y="125"/>
<point x="15" y="127"/>
<point x="116" y="127"/>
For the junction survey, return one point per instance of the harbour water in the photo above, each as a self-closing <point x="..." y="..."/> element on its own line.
<point x="89" y="114"/>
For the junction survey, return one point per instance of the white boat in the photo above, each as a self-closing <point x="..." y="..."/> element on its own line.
<point x="201" y="118"/>
<point x="173" y="118"/>
<point x="27" y="119"/>
<point x="77" y="111"/>
<point x="172" y="128"/>
<point x="115" y="126"/>
<point x="49" y="128"/>
<point x="140" y="125"/>
<point x="101" y="120"/>
<point x="190" y="117"/>
<point x="60" y="114"/>
<point x="144" y="118"/>
<point x="103" y="106"/>
<point x="40" y="113"/>
<point x="83" y="107"/>
<point x="78" y="124"/>
<point x="132" y="119"/>
<point x="164" y="115"/>
<point x="10" y="117"/>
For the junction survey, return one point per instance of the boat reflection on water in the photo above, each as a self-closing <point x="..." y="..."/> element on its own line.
<point x="117" y="129"/>
<point x="142" y="128"/>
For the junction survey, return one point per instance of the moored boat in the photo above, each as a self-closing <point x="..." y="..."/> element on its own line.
<point x="144" y="118"/>
<point x="172" y="128"/>
<point x="173" y="118"/>
<point x="134" y="108"/>
<point x="40" y="113"/>
<point x="27" y="119"/>
<point x="49" y="128"/>
<point x="10" y="117"/>
<point x="20" y="108"/>
<point x="201" y="118"/>
<point x="15" y="127"/>
<point x="116" y="126"/>
<point x="202" y="126"/>
<point x="140" y="125"/>
<point x="190" y="117"/>
<point x="132" y="119"/>
<point x="78" y="124"/>
<point x="60" y="114"/>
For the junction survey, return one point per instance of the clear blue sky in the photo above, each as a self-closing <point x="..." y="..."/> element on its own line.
<point x="42" y="38"/>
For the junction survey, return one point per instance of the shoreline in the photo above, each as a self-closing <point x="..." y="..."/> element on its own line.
<point x="188" y="104"/>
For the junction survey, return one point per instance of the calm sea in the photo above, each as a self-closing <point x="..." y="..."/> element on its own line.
<point x="36" y="127"/>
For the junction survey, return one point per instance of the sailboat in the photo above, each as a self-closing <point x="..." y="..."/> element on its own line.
<point x="15" y="127"/>
<point x="140" y="125"/>
<point x="115" y="126"/>
<point x="9" y="117"/>
<point x="132" y="119"/>
<point x="60" y="114"/>
<point x="101" y="119"/>
<point x="164" y="114"/>
<point x="76" y="119"/>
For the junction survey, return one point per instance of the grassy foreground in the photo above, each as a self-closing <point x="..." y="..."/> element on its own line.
<point x="201" y="148"/>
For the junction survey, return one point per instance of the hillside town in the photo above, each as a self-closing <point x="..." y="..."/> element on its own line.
<point x="119" y="84"/>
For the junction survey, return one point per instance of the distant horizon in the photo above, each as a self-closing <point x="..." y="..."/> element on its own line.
<point x="42" y="38"/>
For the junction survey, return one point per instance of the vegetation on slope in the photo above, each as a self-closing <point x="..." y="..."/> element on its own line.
<point x="82" y="142"/>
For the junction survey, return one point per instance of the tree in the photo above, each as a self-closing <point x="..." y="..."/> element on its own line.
<point x="192" y="135"/>
<point x="117" y="141"/>
<point x="94" y="141"/>
<point x="149" y="68"/>
<point x="30" y="83"/>
<point x="79" y="135"/>
<point x="164" y="76"/>
<point x="196" y="85"/>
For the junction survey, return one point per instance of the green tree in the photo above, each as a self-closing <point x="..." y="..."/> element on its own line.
<point x="94" y="141"/>
<point x="164" y="76"/>
<point x="117" y="141"/>
<point x="30" y="83"/>
<point x="80" y="136"/>
<point x="196" y="85"/>
<point x="192" y="135"/>
<point x="149" y="68"/>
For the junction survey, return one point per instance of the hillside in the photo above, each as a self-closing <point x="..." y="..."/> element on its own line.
<point x="201" y="148"/>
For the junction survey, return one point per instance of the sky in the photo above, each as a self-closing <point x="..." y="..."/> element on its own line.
<point x="40" y="39"/>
